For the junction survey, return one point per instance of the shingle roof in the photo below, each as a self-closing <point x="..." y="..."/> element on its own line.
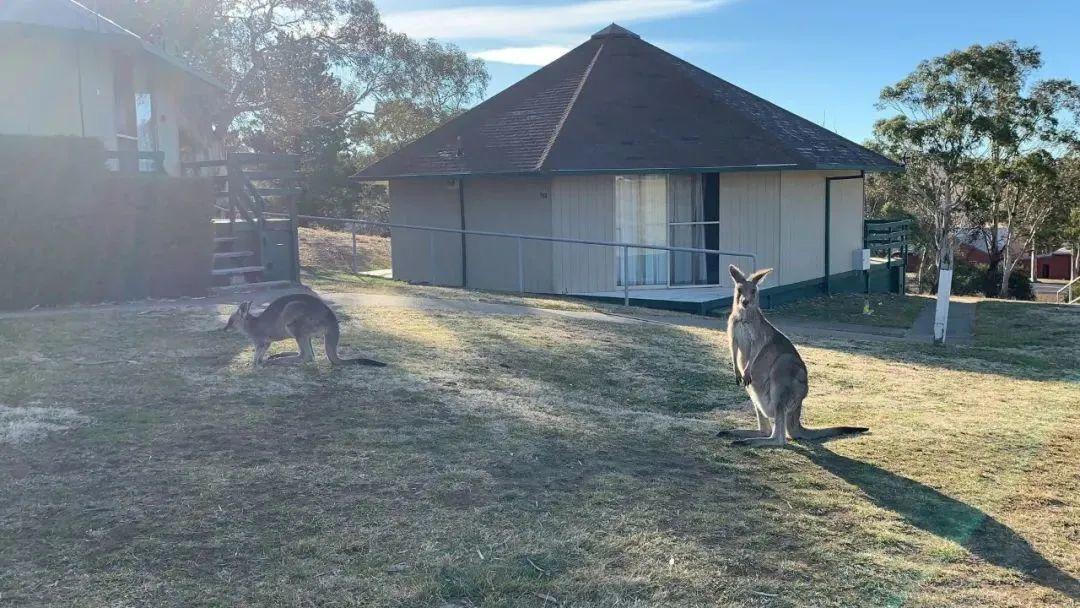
<point x="74" y="16"/>
<point x="617" y="103"/>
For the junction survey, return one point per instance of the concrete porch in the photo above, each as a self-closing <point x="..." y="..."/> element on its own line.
<point x="698" y="300"/>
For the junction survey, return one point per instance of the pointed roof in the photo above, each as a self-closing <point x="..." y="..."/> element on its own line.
<point x="619" y="104"/>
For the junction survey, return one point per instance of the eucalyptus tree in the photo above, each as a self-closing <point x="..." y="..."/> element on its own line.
<point x="981" y="138"/>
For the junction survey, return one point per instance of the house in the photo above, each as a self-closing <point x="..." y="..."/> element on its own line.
<point x="1056" y="265"/>
<point x="618" y="141"/>
<point x="67" y="70"/>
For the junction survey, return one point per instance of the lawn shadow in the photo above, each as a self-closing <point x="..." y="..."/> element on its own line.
<point x="945" y="517"/>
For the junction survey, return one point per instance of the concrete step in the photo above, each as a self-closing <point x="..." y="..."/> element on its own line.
<point x="224" y="272"/>
<point x="244" y="287"/>
<point x="228" y="255"/>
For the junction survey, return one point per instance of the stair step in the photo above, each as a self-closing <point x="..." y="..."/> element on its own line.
<point x="224" y="272"/>
<point x="226" y="255"/>
<point x="224" y="239"/>
<point x="250" y="287"/>
<point x="277" y="191"/>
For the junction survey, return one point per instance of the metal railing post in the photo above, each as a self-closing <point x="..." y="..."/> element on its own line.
<point x="521" y="266"/>
<point x="353" y="265"/>
<point x="431" y="255"/>
<point x="625" y="276"/>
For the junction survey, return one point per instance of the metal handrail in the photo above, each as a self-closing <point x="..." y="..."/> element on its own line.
<point x="1068" y="296"/>
<point x="523" y="237"/>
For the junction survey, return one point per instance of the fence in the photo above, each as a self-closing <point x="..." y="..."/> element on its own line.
<point x="520" y="240"/>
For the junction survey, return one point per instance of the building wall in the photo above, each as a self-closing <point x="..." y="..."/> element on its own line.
<point x="39" y="86"/>
<point x="40" y="77"/>
<point x="778" y="216"/>
<point x="802" y="226"/>
<point x="583" y="207"/>
<point x="426" y="202"/>
<point x="518" y="205"/>
<point x="846" y="227"/>
<point x="750" y="210"/>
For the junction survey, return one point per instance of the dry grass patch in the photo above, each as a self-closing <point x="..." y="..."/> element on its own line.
<point x="331" y="250"/>
<point x="526" y="461"/>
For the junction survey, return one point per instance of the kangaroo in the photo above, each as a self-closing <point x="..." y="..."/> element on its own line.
<point x="770" y="368"/>
<point x="299" y="316"/>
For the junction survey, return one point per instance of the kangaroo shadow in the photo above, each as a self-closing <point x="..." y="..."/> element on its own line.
<point x="946" y="517"/>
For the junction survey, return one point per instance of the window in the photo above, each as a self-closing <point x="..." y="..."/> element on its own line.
<point x="641" y="217"/>
<point x="667" y="210"/>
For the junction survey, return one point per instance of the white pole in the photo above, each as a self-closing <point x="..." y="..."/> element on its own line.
<point x="941" y="311"/>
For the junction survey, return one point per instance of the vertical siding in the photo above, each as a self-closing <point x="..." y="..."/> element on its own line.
<point x="519" y="205"/>
<point x="750" y="222"/>
<point x="846" y="227"/>
<point x="39" y="87"/>
<point x="583" y="207"/>
<point x="802" y="226"/>
<point x="425" y="202"/>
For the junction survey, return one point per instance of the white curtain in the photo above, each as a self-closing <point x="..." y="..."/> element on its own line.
<point x="641" y="216"/>
<point x="687" y="205"/>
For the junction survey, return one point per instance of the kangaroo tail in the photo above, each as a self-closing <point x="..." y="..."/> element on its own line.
<point x="333" y="335"/>
<point x="832" y="431"/>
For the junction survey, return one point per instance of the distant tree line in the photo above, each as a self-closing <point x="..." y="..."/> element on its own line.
<point x="987" y="147"/>
<point x="324" y="79"/>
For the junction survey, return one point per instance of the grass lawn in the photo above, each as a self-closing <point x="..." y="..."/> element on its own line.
<point x="523" y="461"/>
<point x="886" y="309"/>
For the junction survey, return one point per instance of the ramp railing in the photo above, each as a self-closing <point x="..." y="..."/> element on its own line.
<point x="1066" y="292"/>
<point x="520" y="240"/>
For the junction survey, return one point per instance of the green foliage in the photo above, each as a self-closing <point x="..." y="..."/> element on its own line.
<point x="983" y="143"/>
<point x="977" y="280"/>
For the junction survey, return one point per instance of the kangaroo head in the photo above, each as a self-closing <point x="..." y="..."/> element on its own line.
<point x="746" y="288"/>
<point x="241" y="314"/>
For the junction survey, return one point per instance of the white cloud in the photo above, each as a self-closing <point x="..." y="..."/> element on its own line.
<point x="536" y="21"/>
<point x="523" y="55"/>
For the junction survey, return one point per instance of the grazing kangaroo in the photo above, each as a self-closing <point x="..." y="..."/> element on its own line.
<point x="770" y="368"/>
<point x="299" y="316"/>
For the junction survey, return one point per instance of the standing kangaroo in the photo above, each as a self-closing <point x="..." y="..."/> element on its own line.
<point x="299" y="316"/>
<point x="770" y="368"/>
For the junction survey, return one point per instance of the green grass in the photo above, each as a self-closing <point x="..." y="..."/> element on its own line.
<point x="885" y="310"/>
<point x="522" y="461"/>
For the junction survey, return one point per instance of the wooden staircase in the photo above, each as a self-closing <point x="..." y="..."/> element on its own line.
<point x="255" y="244"/>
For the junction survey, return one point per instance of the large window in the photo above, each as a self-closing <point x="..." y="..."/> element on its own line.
<point x="665" y="210"/>
<point x="641" y="217"/>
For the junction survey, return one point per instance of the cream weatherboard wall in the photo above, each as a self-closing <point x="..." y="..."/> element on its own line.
<point x="778" y="216"/>
<point x="846" y="228"/>
<point x="40" y="77"/>
<point x="515" y="205"/>
<point x="426" y="202"/>
<point x="750" y="221"/>
<point x="802" y="226"/>
<point x="53" y="84"/>
<point x="583" y="207"/>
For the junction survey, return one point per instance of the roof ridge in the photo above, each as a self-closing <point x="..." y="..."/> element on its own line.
<point x="569" y="106"/>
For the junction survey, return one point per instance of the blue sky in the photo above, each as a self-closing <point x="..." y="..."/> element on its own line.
<point x="825" y="60"/>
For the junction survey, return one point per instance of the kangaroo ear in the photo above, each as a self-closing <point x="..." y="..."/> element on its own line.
<point x="736" y="273"/>
<point x="757" y="276"/>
